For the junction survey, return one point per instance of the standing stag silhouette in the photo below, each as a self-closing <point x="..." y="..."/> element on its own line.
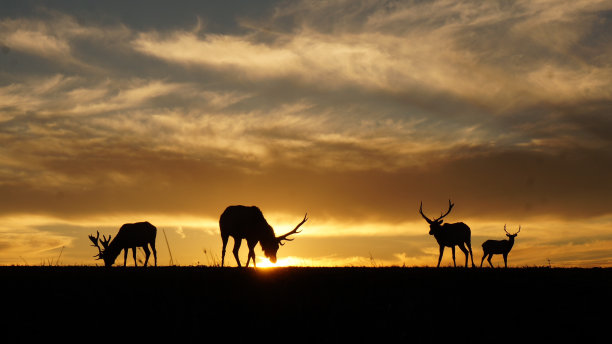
<point x="450" y="235"/>
<point x="503" y="247"/>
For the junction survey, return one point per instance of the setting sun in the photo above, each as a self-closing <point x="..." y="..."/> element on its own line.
<point x="282" y="262"/>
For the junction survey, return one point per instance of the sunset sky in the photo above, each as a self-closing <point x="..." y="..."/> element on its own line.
<point x="114" y="112"/>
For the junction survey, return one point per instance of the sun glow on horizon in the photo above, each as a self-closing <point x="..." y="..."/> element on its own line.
<point x="265" y="263"/>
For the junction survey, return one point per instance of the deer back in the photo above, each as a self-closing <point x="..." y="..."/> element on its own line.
<point x="497" y="246"/>
<point x="134" y="235"/>
<point x="241" y="222"/>
<point x="450" y="234"/>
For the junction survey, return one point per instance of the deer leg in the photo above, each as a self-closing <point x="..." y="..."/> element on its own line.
<point x="489" y="259"/>
<point x="251" y="256"/>
<point x="134" y="254"/>
<point x="505" y="260"/>
<point x="462" y="248"/>
<point x="237" y="243"/>
<point x="469" y="246"/>
<point x="453" y="250"/>
<point x="483" y="257"/>
<point x="251" y="253"/>
<point x="441" y="254"/>
<point x="125" y="252"/>
<point x="154" y="252"/>
<point x="224" y="240"/>
<point x="147" y="254"/>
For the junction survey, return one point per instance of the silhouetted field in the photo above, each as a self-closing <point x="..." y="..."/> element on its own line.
<point x="189" y="304"/>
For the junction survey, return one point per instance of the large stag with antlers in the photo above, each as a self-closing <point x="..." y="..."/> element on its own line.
<point x="248" y="223"/>
<point x="503" y="247"/>
<point x="450" y="235"/>
<point x="130" y="235"/>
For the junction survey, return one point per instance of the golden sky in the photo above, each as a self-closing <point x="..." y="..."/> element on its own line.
<point x="352" y="111"/>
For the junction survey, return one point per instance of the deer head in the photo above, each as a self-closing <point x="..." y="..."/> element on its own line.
<point x="435" y="224"/>
<point x="271" y="248"/>
<point x="511" y="236"/>
<point x="105" y="242"/>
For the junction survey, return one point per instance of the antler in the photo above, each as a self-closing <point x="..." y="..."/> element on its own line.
<point x="514" y="233"/>
<point x="450" y="207"/>
<point x="425" y="217"/>
<point x="294" y="231"/>
<point x="95" y="244"/>
<point x="105" y="241"/>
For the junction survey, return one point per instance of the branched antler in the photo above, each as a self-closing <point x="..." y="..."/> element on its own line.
<point x="94" y="240"/>
<point x="294" y="231"/>
<point x="514" y="233"/>
<point x="105" y="241"/>
<point x="450" y="207"/>
<point x="425" y="217"/>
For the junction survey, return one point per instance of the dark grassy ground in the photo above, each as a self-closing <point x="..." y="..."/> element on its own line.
<point x="189" y="304"/>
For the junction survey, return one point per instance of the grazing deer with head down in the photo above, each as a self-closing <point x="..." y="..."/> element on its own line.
<point x="450" y="235"/>
<point x="503" y="247"/>
<point x="130" y="235"/>
<point x="248" y="223"/>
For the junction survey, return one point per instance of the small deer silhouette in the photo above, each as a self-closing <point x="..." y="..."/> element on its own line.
<point x="248" y="223"/>
<point x="450" y="235"/>
<point x="503" y="247"/>
<point x="130" y="235"/>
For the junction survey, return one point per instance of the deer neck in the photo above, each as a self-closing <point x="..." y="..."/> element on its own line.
<point x="268" y="238"/>
<point x="439" y="232"/>
<point x="510" y="243"/>
<point x="442" y="239"/>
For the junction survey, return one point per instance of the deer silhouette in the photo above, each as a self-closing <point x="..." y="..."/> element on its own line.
<point x="248" y="223"/>
<point x="503" y="247"/>
<point x="130" y="235"/>
<point x="450" y="235"/>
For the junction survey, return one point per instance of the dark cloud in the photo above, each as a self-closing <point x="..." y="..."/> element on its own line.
<point x="145" y="15"/>
<point x="124" y="179"/>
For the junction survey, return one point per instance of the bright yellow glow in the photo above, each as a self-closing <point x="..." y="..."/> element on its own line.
<point x="281" y="262"/>
<point x="265" y="264"/>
